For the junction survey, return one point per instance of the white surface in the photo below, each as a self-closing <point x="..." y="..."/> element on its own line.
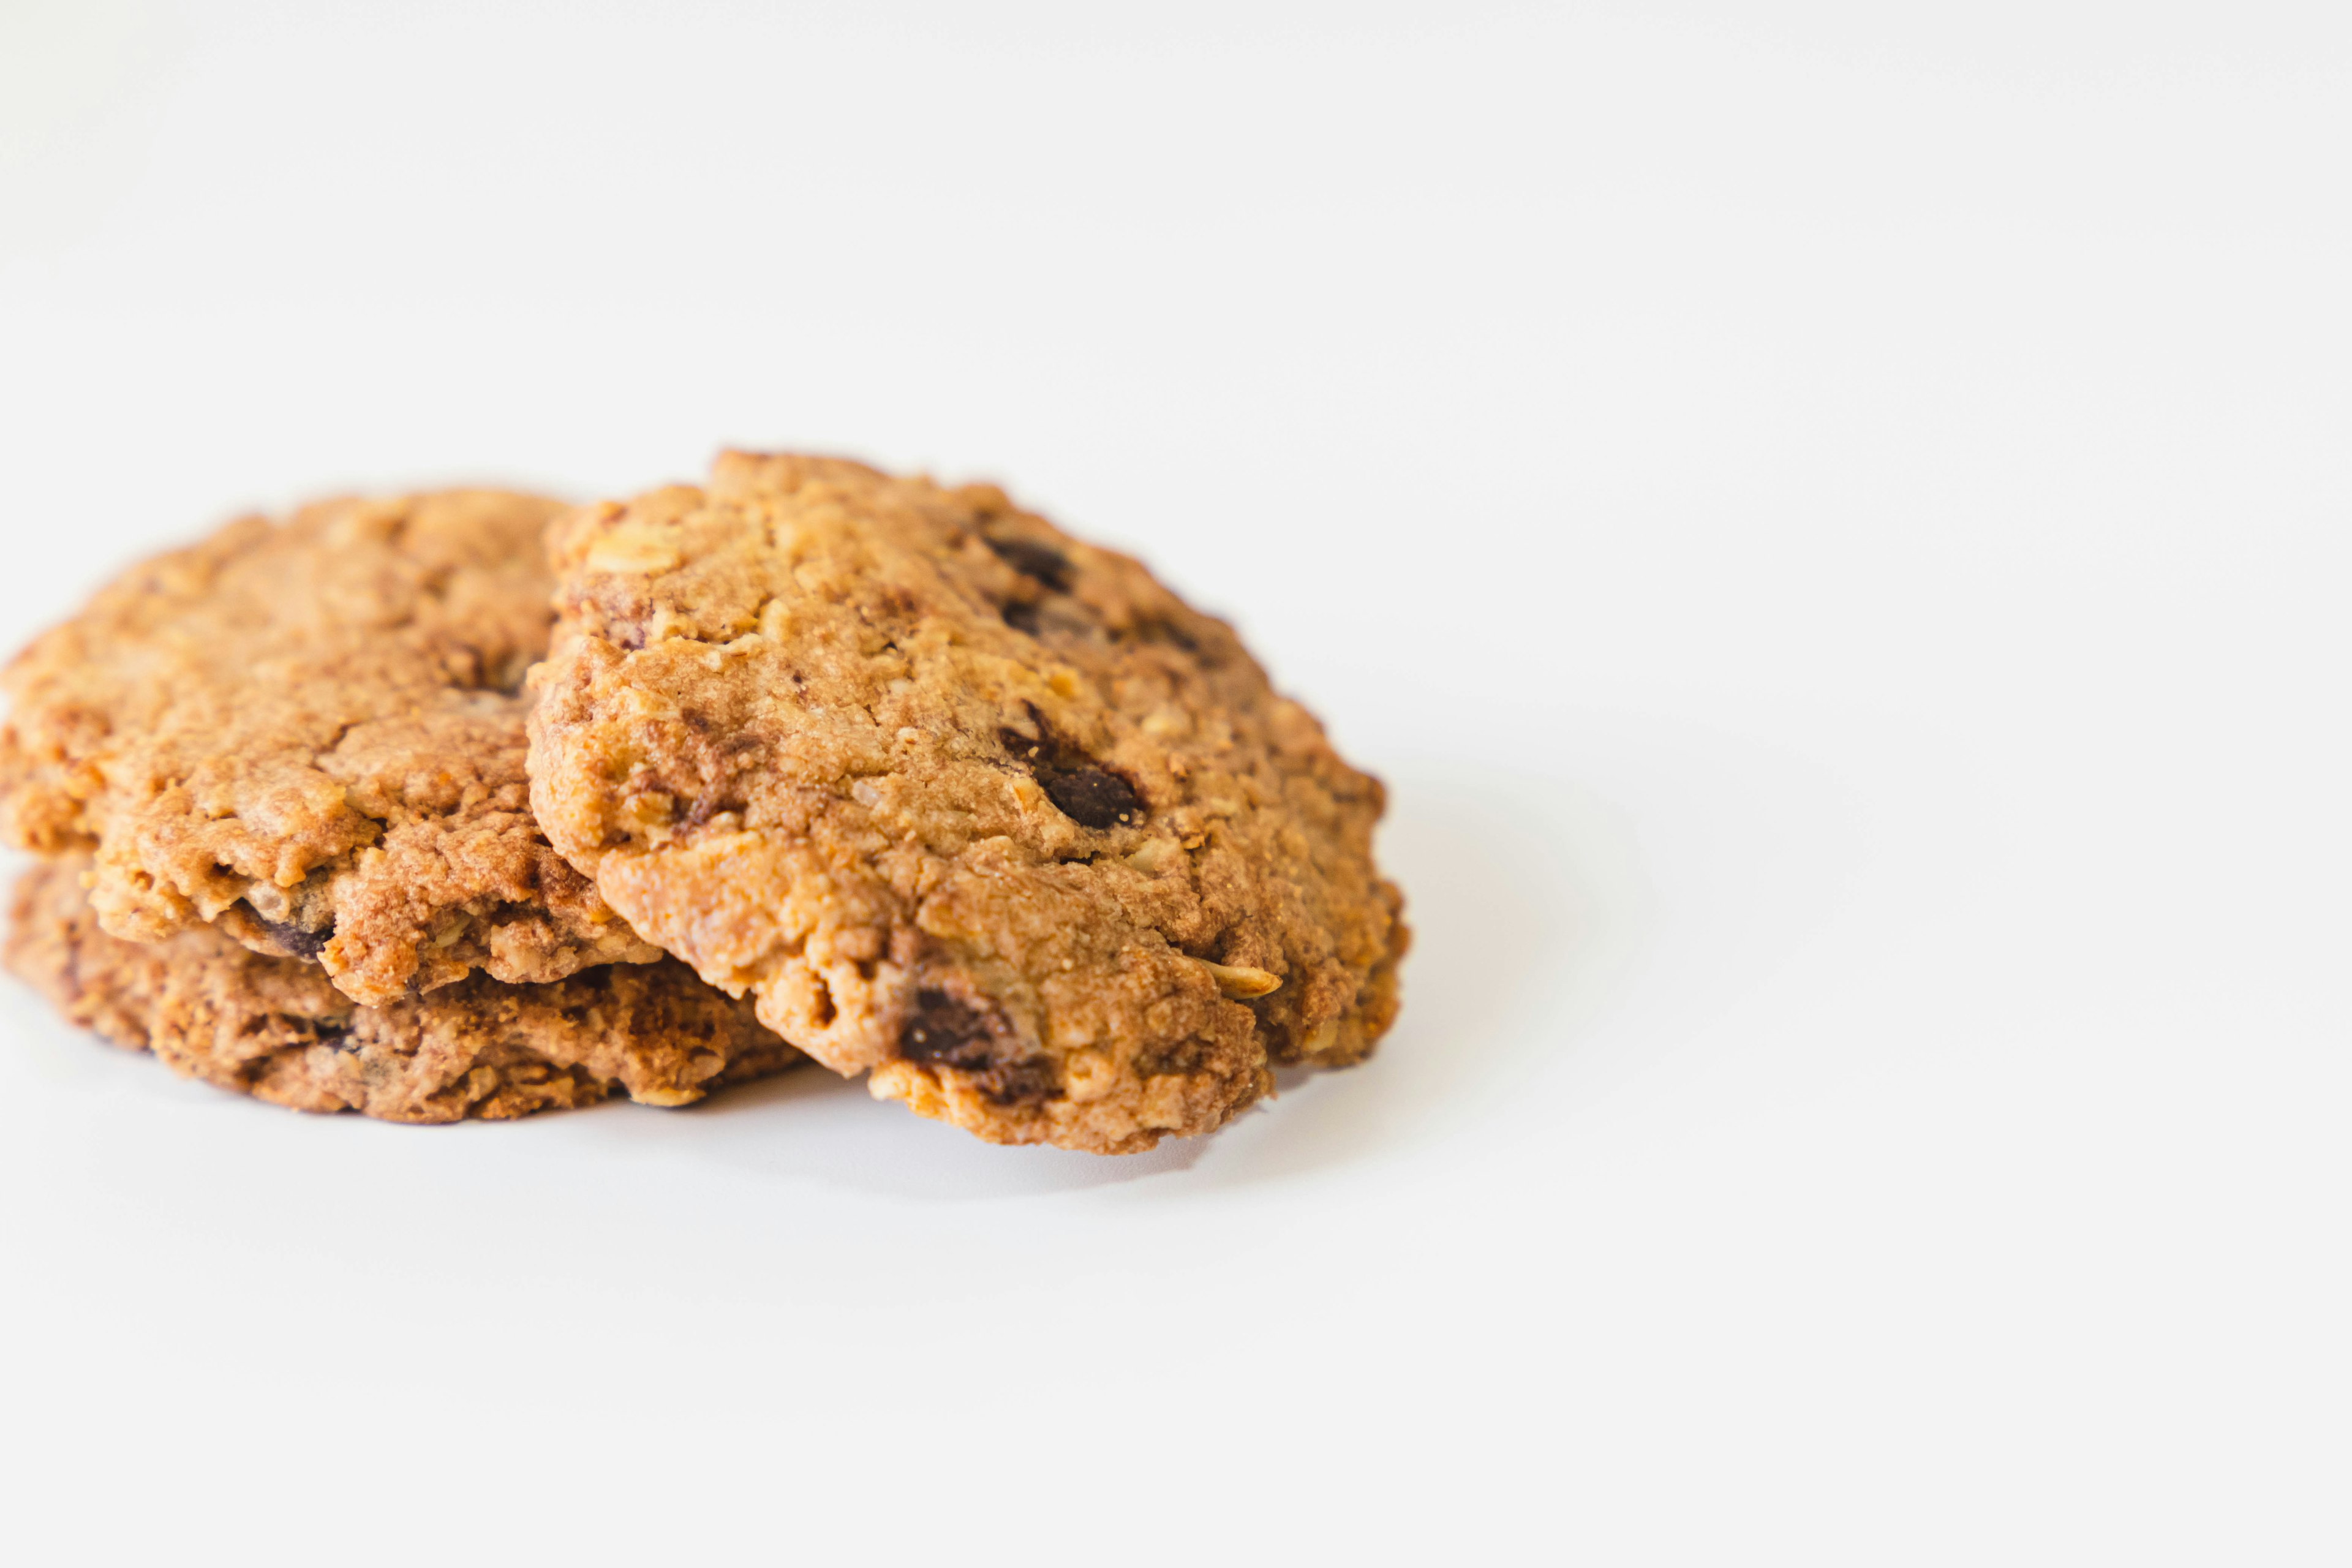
<point x="1833" y="527"/>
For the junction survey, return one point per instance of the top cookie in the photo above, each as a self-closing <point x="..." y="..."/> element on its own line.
<point x="962" y="800"/>
<point x="312" y="734"/>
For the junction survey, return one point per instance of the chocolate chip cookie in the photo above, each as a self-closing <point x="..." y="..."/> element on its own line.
<point x="275" y="1028"/>
<point x="312" y="734"/>
<point x="963" y="801"/>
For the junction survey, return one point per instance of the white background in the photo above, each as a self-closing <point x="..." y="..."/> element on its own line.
<point x="1831" y="519"/>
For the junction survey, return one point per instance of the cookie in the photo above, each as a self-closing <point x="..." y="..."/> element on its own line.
<point x="963" y="801"/>
<point x="275" y="1028"/>
<point x="311" y="734"/>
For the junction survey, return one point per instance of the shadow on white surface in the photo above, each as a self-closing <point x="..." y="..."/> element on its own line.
<point x="813" y="1123"/>
<point x="1529" y="907"/>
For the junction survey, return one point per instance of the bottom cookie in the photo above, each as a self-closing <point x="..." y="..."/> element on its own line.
<point x="278" y="1030"/>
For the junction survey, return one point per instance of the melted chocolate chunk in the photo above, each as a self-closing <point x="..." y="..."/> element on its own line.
<point x="942" y="1029"/>
<point x="1022" y="617"/>
<point x="1018" y="1083"/>
<point x="293" y="938"/>
<point x="1022" y="749"/>
<point x="1088" y="793"/>
<point x="942" y="1032"/>
<point x="1093" y="799"/>
<point x="1041" y="561"/>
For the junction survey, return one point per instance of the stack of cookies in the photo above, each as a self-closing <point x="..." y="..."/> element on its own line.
<point x="467" y="803"/>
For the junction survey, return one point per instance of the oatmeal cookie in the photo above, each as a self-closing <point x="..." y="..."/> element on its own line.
<point x="274" y="1028"/>
<point x="311" y="734"/>
<point x="961" y="800"/>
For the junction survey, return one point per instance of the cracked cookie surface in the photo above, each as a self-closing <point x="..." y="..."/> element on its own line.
<point x="274" y="1028"/>
<point x="963" y="801"/>
<point x="312" y="734"/>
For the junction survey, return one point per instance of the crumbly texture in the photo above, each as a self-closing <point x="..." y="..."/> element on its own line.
<point x="311" y="734"/>
<point x="962" y="800"/>
<point x="274" y="1028"/>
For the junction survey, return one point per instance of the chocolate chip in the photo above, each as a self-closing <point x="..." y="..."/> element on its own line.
<point x="293" y="938"/>
<point x="942" y="1032"/>
<point x="1022" y="617"/>
<point x="1093" y="799"/>
<point x="1031" y="559"/>
<point x="942" y="1029"/>
<point x="1089" y="794"/>
<point x="1015" y="1083"/>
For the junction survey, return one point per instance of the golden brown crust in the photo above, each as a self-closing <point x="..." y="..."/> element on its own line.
<point x="312" y="733"/>
<point x="962" y="800"/>
<point x="274" y="1028"/>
